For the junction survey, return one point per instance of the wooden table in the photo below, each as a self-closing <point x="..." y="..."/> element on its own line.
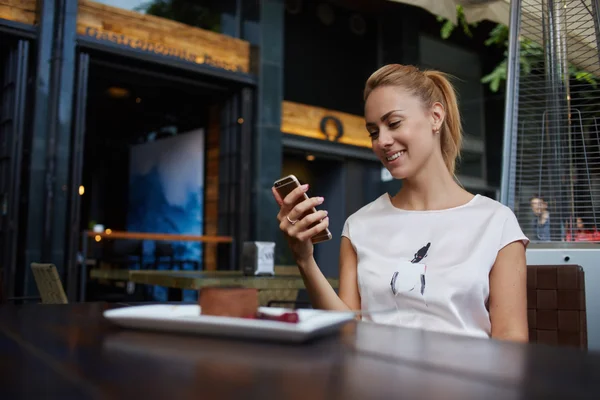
<point x="70" y="351"/>
<point x="121" y="235"/>
<point x="199" y="279"/>
<point x="123" y="274"/>
<point x="276" y="288"/>
<point x="281" y="288"/>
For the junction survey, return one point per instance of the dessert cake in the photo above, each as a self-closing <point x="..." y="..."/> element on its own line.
<point x="239" y="303"/>
<point x="229" y="302"/>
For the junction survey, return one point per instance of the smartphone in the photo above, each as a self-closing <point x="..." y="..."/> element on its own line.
<point x="285" y="186"/>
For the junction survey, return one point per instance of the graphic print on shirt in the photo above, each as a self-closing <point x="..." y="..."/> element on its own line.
<point x="419" y="256"/>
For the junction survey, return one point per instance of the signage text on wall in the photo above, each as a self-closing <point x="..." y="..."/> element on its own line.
<point x="159" y="48"/>
<point x="162" y="36"/>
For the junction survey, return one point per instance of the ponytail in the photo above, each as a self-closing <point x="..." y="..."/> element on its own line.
<point x="451" y="140"/>
<point x="431" y="87"/>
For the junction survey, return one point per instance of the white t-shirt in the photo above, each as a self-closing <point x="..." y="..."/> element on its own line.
<point x="433" y="266"/>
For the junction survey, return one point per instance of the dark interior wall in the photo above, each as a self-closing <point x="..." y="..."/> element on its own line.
<point x="494" y="128"/>
<point x="494" y="117"/>
<point x="327" y="65"/>
<point x="400" y="34"/>
<point x="363" y="184"/>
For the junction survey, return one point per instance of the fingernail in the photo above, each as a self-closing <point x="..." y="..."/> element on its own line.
<point x="304" y="187"/>
<point x="326" y="212"/>
<point x="320" y="199"/>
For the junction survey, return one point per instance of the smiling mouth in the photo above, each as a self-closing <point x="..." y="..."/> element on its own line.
<point x="396" y="155"/>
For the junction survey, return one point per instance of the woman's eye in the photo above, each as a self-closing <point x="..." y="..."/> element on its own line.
<point x="373" y="134"/>
<point x="394" y="124"/>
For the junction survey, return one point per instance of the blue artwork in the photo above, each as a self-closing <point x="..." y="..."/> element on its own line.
<point x="166" y="195"/>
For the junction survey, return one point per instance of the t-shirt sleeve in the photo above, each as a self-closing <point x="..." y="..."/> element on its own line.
<point x="346" y="229"/>
<point x="511" y="231"/>
<point x="346" y="232"/>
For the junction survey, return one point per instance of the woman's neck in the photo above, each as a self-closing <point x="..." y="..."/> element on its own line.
<point x="433" y="188"/>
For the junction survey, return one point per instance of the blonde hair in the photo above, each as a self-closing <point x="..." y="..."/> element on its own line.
<point x="430" y="87"/>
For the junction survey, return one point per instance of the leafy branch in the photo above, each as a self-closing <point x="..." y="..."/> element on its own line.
<point x="531" y="54"/>
<point x="448" y="26"/>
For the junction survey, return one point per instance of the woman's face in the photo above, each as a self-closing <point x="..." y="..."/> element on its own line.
<point x="402" y="130"/>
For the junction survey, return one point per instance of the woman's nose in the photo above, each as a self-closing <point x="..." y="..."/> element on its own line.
<point x="385" y="138"/>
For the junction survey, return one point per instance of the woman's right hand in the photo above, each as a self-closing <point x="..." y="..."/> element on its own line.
<point x="295" y="228"/>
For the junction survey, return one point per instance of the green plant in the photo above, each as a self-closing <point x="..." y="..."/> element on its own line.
<point x="531" y="53"/>
<point x="448" y="26"/>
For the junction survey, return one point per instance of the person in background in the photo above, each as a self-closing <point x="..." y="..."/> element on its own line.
<point x="441" y="258"/>
<point x="541" y="218"/>
<point x="585" y="231"/>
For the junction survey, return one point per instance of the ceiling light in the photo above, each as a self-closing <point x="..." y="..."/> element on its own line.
<point x="117" y="92"/>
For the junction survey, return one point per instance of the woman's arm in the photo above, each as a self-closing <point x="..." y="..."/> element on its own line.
<point x="349" y="275"/>
<point x="508" y="294"/>
<point x="298" y="229"/>
<point x="320" y="291"/>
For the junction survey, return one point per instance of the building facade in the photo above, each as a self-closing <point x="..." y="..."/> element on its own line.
<point x="274" y="87"/>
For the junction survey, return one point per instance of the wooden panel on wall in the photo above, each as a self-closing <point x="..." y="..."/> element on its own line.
<point x="323" y="124"/>
<point x="23" y="11"/>
<point x="162" y="36"/>
<point x="211" y="187"/>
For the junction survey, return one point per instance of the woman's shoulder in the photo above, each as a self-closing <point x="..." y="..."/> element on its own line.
<point x="504" y="221"/>
<point x="374" y="207"/>
<point x="362" y="219"/>
<point x="493" y="206"/>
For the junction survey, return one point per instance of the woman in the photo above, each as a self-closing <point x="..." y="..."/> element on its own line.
<point x="444" y="259"/>
<point x="585" y="231"/>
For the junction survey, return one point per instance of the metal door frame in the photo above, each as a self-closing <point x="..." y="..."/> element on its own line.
<point x="19" y="55"/>
<point x="76" y="269"/>
<point x="235" y="172"/>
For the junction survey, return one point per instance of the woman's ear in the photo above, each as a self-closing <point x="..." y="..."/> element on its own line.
<point x="437" y="116"/>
